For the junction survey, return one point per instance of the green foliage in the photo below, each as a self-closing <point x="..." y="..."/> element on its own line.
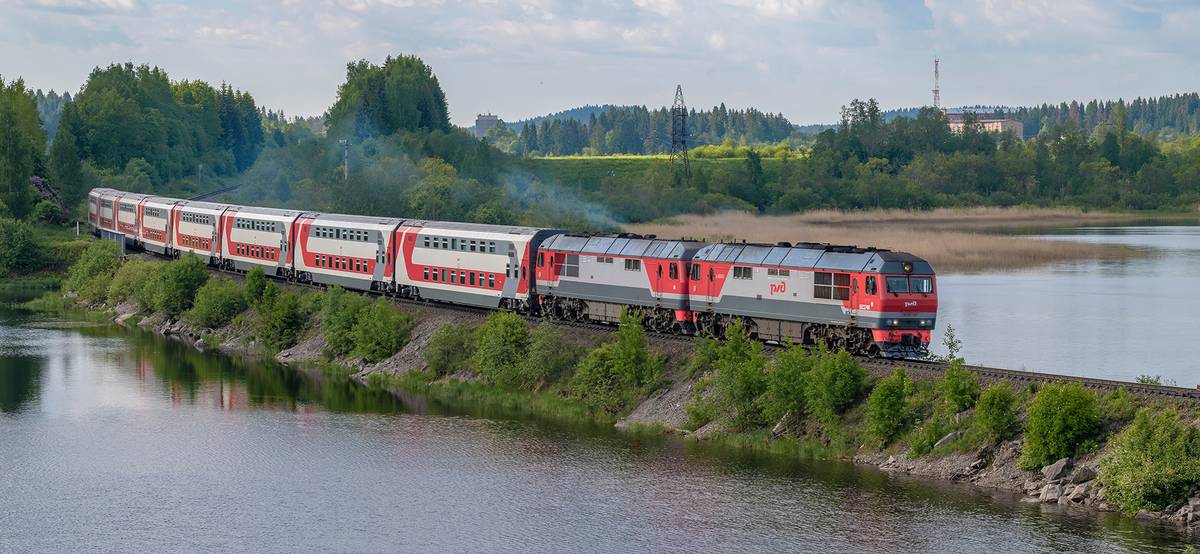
<point x="216" y="303"/>
<point x="502" y="342"/>
<point x="175" y="285"/>
<point x="90" y="275"/>
<point x="256" y="285"/>
<point x="740" y="377"/>
<point x="402" y="94"/>
<point x="704" y="356"/>
<point x="1063" y="418"/>
<point x="130" y="282"/>
<point x="19" y="252"/>
<point x="886" y="407"/>
<point x="282" y="318"/>
<point x="1152" y="464"/>
<point x="126" y="113"/>
<point x="46" y="212"/>
<point x="958" y="387"/>
<point x="786" y="382"/>
<point x="22" y="143"/>
<point x="612" y="376"/>
<point x="450" y="349"/>
<point x="381" y="330"/>
<point x="1149" y="380"/>
<point x="996" y="412"/>
<point x="549" y="357"/>
<point x="835" y="382"/>
<point x="1118" y="406"/>
<point x="932" y="430"/>
<point x="340" y="313"/>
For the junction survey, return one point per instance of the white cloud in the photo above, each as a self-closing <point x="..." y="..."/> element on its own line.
<point x="86" y="6"/>
<point x="716" y="41"/>
<point x="781" y="8"/>
<point x="660" y="7"/>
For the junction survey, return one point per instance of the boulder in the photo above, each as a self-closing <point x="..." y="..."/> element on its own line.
<point x="1083" y="474"/>
<point x="1079" y="493"/>
<point x="1057" y="470"/>
<point x="1050" y="493"/>
<point x="953" y="436"/>
<point x="1032" y="485"/>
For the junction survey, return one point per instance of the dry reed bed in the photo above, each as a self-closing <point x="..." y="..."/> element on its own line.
<point x="949" y="239"/>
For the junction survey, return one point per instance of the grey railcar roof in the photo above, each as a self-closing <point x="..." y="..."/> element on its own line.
<point x="812" y="256"/>
<point x="360" y="219"/>
<point x="476" y="227"/>
<point x="251" y="210"/>
<point x="625" y="246"/>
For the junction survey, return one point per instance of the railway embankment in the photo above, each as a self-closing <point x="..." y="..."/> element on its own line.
<point x="1056" y="444"/>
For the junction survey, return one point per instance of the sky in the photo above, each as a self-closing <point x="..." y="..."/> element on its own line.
<point x="519" y="59"/>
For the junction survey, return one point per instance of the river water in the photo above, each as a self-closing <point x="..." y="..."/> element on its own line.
<point x="1111" y="319"/>
<point x="117" y="441"/>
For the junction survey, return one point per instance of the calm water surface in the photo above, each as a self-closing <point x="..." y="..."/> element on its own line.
<point x="1114" y="319"/>
<point x="112" y="441"/>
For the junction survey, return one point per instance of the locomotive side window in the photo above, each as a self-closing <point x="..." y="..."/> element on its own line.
<point x="922" y="285"/>
<point x="870" y="285"/>
<point x="673" y="270"/>
<point x="571" y="266"/>
<point x="541" y="259"/>
<point x="694" y="274"/>
<point x="897" y="284"/>
<point x="633" y="265"/>
<point x="841" y="286"/>
<point x="743" y="272"/>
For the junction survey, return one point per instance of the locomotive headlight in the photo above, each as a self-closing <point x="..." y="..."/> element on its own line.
<point x="894" y="322"/>
<point x="924" y="323"/>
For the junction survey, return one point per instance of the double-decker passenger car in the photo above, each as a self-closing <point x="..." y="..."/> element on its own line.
<point x="196" y="230"/>
<point x="346" y="250"/>
<point x="258" y="237"/>
<point x="468" y="263"/>
<point x="156" y="223"/>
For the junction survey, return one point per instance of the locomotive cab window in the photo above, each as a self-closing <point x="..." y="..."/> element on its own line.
<point x="923" y="285"/>
<point x="897" y="285"/>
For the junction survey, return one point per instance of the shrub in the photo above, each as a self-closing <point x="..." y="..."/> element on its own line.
<point x="548" y="358"/>
<point x="835" y="382"/>
<point x="19" y="252"/>
<point x="1118" y="406"/>
<point x="1062" y="419"/>
<point x="381" y="330"/>
<point x="785" y="383"/>
<point x="957" y="388"/>
<point x="256" y="285"/>
<point x="450" y="349"/>
<point x="282" y="318"/>
<point x="740" y="377"/>
<point x="217" y="302"/>
<point x="1153" y="463"/>
<point x="46" y="212"/>
<point x="704" y="356"/>
<point x="176" y="284"/>
<point x="501" y="343"/>
<point x="886" y="412"/>
<point x="926" y="436"/>
<point x="614" y="374"/>
<point x="995" y="412"/>
<point x="130" y="282"/>
<point x="91" y="274"/>
<point x="340" y="311"/>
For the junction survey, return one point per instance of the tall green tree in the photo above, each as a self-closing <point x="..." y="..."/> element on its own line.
<point x="22" y="142"/>
<point x="401" y="95"/>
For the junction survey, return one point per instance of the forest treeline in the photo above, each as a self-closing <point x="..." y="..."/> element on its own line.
<point x="637" y="130"/>
<point x="131" y="127"/>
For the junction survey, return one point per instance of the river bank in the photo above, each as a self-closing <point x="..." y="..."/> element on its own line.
<point x="1070" y="484"/>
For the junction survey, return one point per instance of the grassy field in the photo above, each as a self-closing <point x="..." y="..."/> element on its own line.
<point x="953" y="240"/>
<point x="587" y="171"/>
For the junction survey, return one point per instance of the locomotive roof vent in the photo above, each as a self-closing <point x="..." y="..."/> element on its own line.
<point x="629" y="236"/>
<point x="784" y="244"/>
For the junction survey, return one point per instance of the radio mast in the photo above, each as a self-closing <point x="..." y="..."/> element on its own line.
<point x="937" y="91"/>
<point x="679" y="135"/>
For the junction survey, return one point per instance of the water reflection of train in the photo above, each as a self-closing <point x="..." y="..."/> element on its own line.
<point x="866" y="300"/>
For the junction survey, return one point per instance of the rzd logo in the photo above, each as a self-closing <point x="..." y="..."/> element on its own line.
<point x="778" y="288"/>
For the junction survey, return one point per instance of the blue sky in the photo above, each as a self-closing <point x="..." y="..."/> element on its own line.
<point x="804" y="58"/>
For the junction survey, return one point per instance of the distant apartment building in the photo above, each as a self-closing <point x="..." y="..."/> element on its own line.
<point x="484" y="123"/>
<point x="990" y="121"/>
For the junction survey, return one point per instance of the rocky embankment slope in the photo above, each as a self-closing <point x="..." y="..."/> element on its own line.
<point x="1068" y="483"/>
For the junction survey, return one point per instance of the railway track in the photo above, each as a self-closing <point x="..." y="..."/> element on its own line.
<point x="877" y="366"/>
